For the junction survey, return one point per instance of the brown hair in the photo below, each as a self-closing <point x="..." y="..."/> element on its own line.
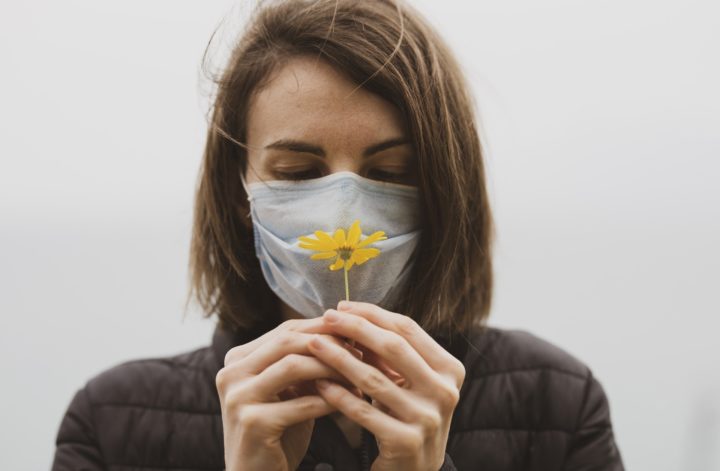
<point x="388" y="49"/>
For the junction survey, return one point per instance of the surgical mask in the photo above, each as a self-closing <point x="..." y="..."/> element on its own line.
<point x="283" y="210"/>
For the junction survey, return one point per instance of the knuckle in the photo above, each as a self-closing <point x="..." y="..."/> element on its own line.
<point x="284" y="340"/>
<point x="407" y="325"/>
<point x="361" y="411"/>
<point x="248" y="417"/>
<point x="221" y="379"/>
<point x="395" y="346"/>
<point x="449" y="396"/>
<point x="374" y="383"/>
<point x="460" y="372"/>
<point x="234" y="402"/>
<point x="233" y="354"/>
<point x="289" y="324"/>
<point x="307" y="406"/>
<point x="291" y="363"/>
<point x="430" y="422"/>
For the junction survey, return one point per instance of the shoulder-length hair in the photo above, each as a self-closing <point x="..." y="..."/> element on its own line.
<point x="387" y="48"/>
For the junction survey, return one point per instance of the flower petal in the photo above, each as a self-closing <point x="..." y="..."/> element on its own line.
<point x="315" y="246"/>
<point x="374" y="237"/>
<point x="367" y="254"/>
<point x="354" y="234"/>
<point x="339" y="236"/>
<point x="324" y="237"/>
<point x="308" y="240"/>
<point x="338" y="264"/>
<point x="303" y="245"/>
<point x="322" y="244"/>
<point x="349" y="263"/>
<point x="323" y="255"/>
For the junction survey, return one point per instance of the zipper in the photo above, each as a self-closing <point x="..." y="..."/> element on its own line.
<point x="364" y="465"/>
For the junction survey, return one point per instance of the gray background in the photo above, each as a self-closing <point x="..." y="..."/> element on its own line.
<point x="601" y="120"/>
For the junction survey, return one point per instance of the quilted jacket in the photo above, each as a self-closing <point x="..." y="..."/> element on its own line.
<point x="525" y="405"/>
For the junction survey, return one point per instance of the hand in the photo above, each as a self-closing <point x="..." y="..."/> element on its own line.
<point x="267" y="397"/>
<point x="415" y="386"/>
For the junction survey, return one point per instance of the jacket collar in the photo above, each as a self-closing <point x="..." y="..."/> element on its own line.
<point x="224" y="339"/>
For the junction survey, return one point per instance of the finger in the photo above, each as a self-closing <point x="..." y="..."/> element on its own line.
<point x="307" y="388"/>
<point x="391" y="347"/>
<point x="368" y="356"/>
<point x="366" y="377"/>
<point x="273" y="351"/>
<point x="291" y="369"/>
<point x="278" y="416"/>
<point x="311" y="326"/>
<point x="371" y="358"/>
<point x="434" y="354"/>
<point x="383" y="426"/>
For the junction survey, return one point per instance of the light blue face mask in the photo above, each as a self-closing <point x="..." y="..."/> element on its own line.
<point x="284" y="210"/>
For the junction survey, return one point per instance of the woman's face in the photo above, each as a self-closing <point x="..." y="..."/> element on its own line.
<point x="305" y="123"/>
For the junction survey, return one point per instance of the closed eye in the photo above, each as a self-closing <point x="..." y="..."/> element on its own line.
<point x="403" y="176"/>
<point x="384" y="175"/>
<point x="299" y="175"/>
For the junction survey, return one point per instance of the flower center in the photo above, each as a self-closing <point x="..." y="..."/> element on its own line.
<point x="345" y="252"/>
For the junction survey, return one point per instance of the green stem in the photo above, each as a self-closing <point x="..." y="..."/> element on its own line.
<point x="347" y="290"/>
<point x="347" y="298"/>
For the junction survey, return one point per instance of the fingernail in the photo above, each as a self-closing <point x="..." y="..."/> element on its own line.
<point x="331" y="316"/>
<point x="345" y="305"/>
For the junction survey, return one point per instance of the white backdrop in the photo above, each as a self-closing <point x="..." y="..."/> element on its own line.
<point x="602" y="122"/>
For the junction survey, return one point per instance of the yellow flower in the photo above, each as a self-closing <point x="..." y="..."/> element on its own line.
<point x="347" y="251"/>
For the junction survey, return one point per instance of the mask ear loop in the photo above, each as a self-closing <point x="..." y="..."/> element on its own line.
<point x="247" y="190"/>
<point x="245" y="184"/>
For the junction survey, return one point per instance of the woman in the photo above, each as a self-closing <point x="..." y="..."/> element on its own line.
<point x="330" y="112"/>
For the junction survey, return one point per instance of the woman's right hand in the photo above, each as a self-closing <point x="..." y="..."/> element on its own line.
<point x="268" y="399"/>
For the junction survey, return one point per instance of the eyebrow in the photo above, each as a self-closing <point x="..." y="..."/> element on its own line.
<point x="300" y="146"/>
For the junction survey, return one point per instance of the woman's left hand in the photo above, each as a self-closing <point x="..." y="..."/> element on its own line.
<point x="410" y="416"/>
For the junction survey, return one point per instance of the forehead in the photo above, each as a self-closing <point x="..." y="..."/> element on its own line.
<point x="308" y="98"/>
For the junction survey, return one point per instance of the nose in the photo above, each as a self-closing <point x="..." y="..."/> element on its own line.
<point x="341" y="163"/>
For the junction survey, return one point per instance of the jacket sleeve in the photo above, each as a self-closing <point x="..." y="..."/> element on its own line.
<point x="76" y="443"/>
<point x="592" y="446"/>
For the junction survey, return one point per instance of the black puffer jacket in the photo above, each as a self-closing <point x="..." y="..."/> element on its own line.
<point x="525" y="405"/>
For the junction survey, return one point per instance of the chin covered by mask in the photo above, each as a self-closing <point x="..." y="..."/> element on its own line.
<point x="283" y="210"/>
